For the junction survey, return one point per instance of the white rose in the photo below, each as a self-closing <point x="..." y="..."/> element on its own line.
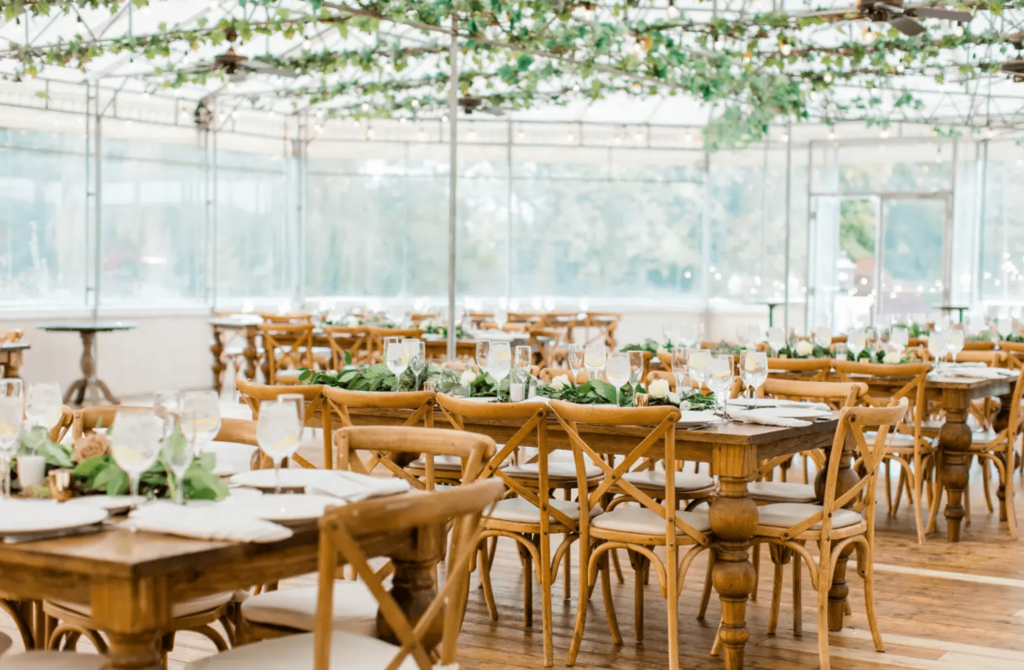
<point x="685" y="405"/>
<point x="891" y="357"/>
<point x="467" y="378"/>
<point x="351" y="320"/>
<point x="673" y="398"/>
<point x="804" y="348"/>
<point x="560" y="382"/>
<point x="658" y="388"/>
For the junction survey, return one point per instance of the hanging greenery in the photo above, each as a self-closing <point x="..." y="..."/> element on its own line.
<point x="754" y="69"/>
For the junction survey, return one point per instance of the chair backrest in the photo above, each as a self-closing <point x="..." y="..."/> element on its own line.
<point x="419" y="403"/>
<point x="834" y="394"/>
<point x="375" y="339"/>
<point x="353" y="340"/>
<point x="545" y="341"/>
<point x="382" y="443"/>
<point x="294" y="317"/>
<point x="253" y="394"/>
<point x="817" y="369"/>
<point x="10" y="336"/>
<point x="547" y="374"/>
<point x="63" y="425"/>
<point x="286" y="344"/>
<point x="662" y="424"/>
<point x="88" y="418"/>
<point x="340" y="530"/>
<point x="1015" y="352"/>
<point x="907" y="380"/>
<point x="1016" y="419"/>
<point x="853" y="421"/>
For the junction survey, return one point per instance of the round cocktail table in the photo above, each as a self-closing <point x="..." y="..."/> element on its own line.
<point x="87" y="330"/>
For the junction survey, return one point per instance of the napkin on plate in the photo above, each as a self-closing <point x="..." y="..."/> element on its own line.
<point x="754" y="416"/>
<point x="977" y="373"/>
<point x="212" y="522"/>
<point x="353" y="487"/>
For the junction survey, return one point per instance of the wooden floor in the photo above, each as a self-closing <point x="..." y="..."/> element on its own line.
<point x="941" y="607"/>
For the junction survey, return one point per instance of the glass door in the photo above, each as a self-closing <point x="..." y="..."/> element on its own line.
<point x="914" y="250"/>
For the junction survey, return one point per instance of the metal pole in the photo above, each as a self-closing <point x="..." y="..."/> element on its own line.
<point x="789" y="230"/>
<point x="98" y="203"/>
<point x="453" y="179"/>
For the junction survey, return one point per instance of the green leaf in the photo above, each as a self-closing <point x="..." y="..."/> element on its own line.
<point x="524" y="62"/>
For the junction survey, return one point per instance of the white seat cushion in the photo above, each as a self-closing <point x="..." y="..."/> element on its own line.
<point x="782" y="492"/>
<point x="984" y="437"/>
<point x="685" y="481"/>
<point x="556" y="470"/>
<point x="784" y="515"/>
<point x="643" y="521"/>
<point x="5" y="643"/>
<point x="446" y="463"/>
<point x="355" y="608"/>
<point x="182" y="609"/>
<point x="348" y="652"/>
<point x="898" y="440"/>
<point x="520" y="510"/>
<point x="52" y="660"/>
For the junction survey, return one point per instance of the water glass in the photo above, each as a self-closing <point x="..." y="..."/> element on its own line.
<point x="277" y="434"/>
<point x="718" y="376"/>
<point x="43" y="404"/>
<point x="617" y="372"/>
<point x="418" y="358"/>
<point x="1004" y="326"/>
<point x="823" y="336"/>
<point x="501" y="317"/>
<point x="396" y="356"/>
<point x="200" y="417"/>
<point x="938" y="346"/>
<point x="178" y="454"/>
<point x="755" y="370"/>
<point x="135" y="444"/>
<point x="523" y="361"/>
<point x="689" y="335"/>
<point x="697" y="362"/>
<point x="575" y="359"/>
<point x="856" y="342"/>
<point x="955" y="343"/>
<point x="594" y="359"/>
<point x="499" y="364"/>
<point x="899" y="337"/>
<point x="10" y="428"/>
<point x="842" y="351"/>
<point x="636" y="369"/>
<point x="483" y="351"/>
<point x="296" y="400"/>
<point x="776" y="339"/>
<point x="167" y="406"/>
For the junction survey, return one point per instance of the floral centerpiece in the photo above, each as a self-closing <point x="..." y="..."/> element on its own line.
<point x="439" y="329"/>
<point x="649" y="345"/>
<point x="598" y="392"/>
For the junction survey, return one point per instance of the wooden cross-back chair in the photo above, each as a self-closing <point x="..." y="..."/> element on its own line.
<point x="605" y="324"/>
<point x="1014" y="351"/>
<point x="353" y="340"/>
<point x="253" y="394"/>
<point x="638" y="530"/>
<point x="544" y="342"/>
<point x="816" y="369"/>
<point x="293" y="317"/>
<point x="533" y="516"/>
<point x="286" y="347"/>
<point x="547" y="374"/>
<point x="844" y="522"/>
<point x="908" y="447"/>
<point x="63" y="425"/>
<point x="376" y="336"/>
<point x="87" y="419"/>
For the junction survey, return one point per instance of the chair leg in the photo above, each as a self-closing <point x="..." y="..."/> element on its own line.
<point x="485" y="582"/>
<point x="773" y="611"/>
<point x="617" y="566"/>
<point x="527" y="586"/>
<point x="798" y="606"/>
<point x="609" y="603"/>
<point x="899" y="490"/>
<point x="888" y="487"/>
<point x="756" y="558"/>
<point x="985" y="483"/>
<point x="547" y="625"/>
<point x="868" y="572"/>
<point x="824" y="582"/>
<point x="672" y="591"/>
<point x="705" y="597"/>
<point x="716" y="647"/>
<point x="581" y="607"/>
<point x="640" y="564"/>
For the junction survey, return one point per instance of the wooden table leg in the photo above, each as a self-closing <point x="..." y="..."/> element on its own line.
<point x="954" y="443"/>
<point x="250" y="353"/>
<point x="846" y="479"/>
<point x="413" y="586"/>
<point x="132" y="651"/>
<point x="131" y="613"/>
<point x="13" y="366"/>
<point x="733" y="519"/>
<point x="217" y="349"/>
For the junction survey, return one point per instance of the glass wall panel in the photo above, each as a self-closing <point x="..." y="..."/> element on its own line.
<point x="1002" y="228"/>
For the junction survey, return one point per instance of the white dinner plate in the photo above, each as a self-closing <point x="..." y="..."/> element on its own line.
<point x="288" y="509"/>
<point x="292" y="479"/>
<point x="21" y="517"/>
<point x="113" y="504"/>
<point x="696" y="418"/>
<point x="790" y="412"/>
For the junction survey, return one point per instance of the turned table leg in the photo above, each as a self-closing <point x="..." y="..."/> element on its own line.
<point x="13" y="366"/>
<point x="954" y="443"/>
<point x="217" y="349"/>
<point x="733" y="517"/>
<point x="250" y="353"/>
<point x="413" y="586"/>
<point x="1000" y="423"/>
<point x="846" y="479"/>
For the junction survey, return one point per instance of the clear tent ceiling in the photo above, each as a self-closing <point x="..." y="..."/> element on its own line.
<point x="978" y="100"/>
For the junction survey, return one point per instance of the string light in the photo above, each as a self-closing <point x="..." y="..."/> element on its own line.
<point x="885" y="134"/>
<point x="422" y="135"/>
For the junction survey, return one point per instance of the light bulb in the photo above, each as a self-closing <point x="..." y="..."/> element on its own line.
<point x="639" y="137"/>
<point x="422" y="135"/>
<point x="832" y="134"/>
<point x="520" y="135"/>
<point x="370" y="132"/>
<point x="472" y="134"/>
<point x="785" y="137"/>
<point x="885" y="134"/>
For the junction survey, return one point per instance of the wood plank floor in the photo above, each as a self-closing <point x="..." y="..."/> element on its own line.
<point x="941" y="607"/>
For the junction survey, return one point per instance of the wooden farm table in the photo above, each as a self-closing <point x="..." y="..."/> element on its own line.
<point x="132" y="580"/>
<point x="733" y="450"/>
<point x="234" y="325"/>
<point x="11" y="354"/>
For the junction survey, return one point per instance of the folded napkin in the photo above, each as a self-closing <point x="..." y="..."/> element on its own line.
<point x="213" y="522"/>
<point x="820" y="406"/>
<point x="977" y="373"/>
<point x="353" y="487"/>
<point x="755" y="416"/>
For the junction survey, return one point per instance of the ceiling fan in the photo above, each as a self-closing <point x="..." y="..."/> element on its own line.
<point x="903" y="19"/>
<point x="237" y="67"/>
<point x="1015" y="68"/>
<point x="470" y="104"/>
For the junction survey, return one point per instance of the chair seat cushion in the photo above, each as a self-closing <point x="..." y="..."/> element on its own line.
<point x="643" y="521"/>
<point x="984" y="437"/>
<point x="782" y="492"/>
<point x="52" y="660"/>
<point x="287" y="376"/>
<point x="355" y="608"/>
<point x="784" y="515"/>
<point x="556" y="470"/>
<point x="348" y="652"/>
<point x="685" y="481"/>
<point x="442" y="462"/>
<point x="899" y="440"/>
<point x="179" y="610"/>
<point x="520" y="510"/>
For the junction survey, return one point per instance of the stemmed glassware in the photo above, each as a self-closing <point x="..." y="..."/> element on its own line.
<point x="823" y="336"/>
<point x="955" y="343"/>
<point x="776" y="339"/>
<point x="576" y="357"/>
<point x="501" y="317"/>
<point x="594" y="359"/>
<point x="856" y="342"/>
<point x="483" y="352"/>
<point x="523" y="361"/>
<point x="200" y="417"/>
<point x="617" y="372"/>
<point x="697" y="362"/>
<point x="718" y="375"/>
<point x="277" y="434"/>
<point x="689" y="335"/>
<point x="10" y="428"/>
<point x="636" y="369"/>
<point x="167" y="407"/>
<point x="43" y="404"/>
<point x="1004" y="326"/>
<point x="938" y="346"/>
<point x="416" y="349"/>
<point x="899" y="337"/>
<point x="499" y="364"/>
<point x="679" y="369"/>
<point x="754" y="365"/>
<point x="135" y="444"/>
<point x="396" y="356"/>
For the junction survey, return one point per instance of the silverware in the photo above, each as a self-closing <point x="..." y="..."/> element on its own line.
<point x="71" y="532"/>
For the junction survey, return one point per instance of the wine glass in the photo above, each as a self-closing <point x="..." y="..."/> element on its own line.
<point x="135" y="444"/>
<point x="575" y="359"/>
<point x="823" y="336"/>
<point x="955" y="343"/>
<point x="277" y="434"/>
<point x="899" y="337"/>
<point x="594" y="359"/>
<point x="501" y="317"/>
<point x="755" y="371"/>
<point x="636" y="369"/>
<point x="483" y="350"/>
<point x="43" y="404"/>
<point x="670" y="331"/>
<point x="689" y="335"/>
<point x="167" y="406"/>
<point x="741" y="335"/>
<point x="617" y="371"/>
<point x="679" y="365"/>
<point x="10" y="428"/>
<point x="178" y="454"/>
<point x="856" y="342"/>
<point x="754" y="335"/>
<point x="12" y="387"/>
<point x="719" y="374"/>
<point x="938" y="346"/>
<point x="296" y="400"/>
<point x="417" y="358"/>
<point x="200" y="417"/>
<point x="1004" y="325"/>
<point x="499" y="364"/>
<point x="776" y="339"/>
<point x="523" y="360"/>
<point x="397" y="359"/>
<point x="697" y="362"/>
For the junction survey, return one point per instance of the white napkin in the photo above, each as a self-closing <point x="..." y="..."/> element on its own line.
<point x="820" y="406"/>
<point x="753" y="416"/>
<point x="977" y="373"/>
<point x="213" y="522"/>
<point x="353" y="487"/>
